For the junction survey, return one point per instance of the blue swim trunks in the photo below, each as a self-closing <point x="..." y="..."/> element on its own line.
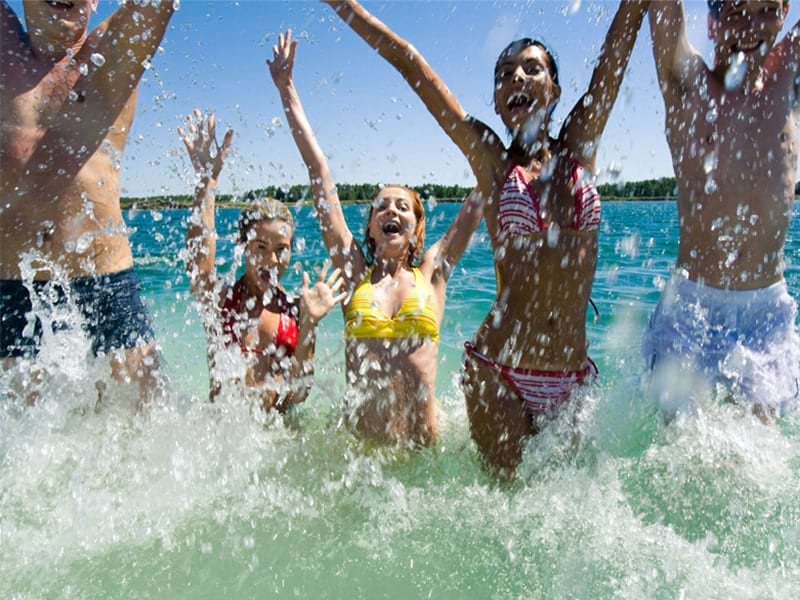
<point x="746" y="340"/>
<point x="114" y="316"/>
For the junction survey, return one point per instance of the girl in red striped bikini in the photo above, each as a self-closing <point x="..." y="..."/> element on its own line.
<point x="542" y="212"/>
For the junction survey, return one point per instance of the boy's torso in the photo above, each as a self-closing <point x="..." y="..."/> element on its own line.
<point x="735" y="157"/>
<point x="59" y="186"/>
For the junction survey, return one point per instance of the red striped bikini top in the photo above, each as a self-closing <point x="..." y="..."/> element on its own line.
<point x="520" y="210"/>
<point x="234" y="322"/>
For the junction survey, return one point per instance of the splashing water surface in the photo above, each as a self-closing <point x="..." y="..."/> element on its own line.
<point x="198" y="500"/>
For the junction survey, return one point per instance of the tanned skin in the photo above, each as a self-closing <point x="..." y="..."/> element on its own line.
<point x="539" y="318"/>
<point x="395" y="377"/>
<point x="63" y="135"/>
<point x="734" y="147"/>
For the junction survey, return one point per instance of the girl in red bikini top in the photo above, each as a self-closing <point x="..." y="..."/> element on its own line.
<point x="236" y="323"/>
<point x="257" y="315"/>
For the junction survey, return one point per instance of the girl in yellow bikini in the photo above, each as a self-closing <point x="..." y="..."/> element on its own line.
<point x="542" y="213"/>
<point x="398" y="290"/>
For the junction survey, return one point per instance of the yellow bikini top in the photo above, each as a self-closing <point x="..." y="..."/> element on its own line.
<point x="416" y="317"/>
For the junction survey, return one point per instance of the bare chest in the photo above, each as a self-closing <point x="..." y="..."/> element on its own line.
<point x="56" y="110"/>
<point x="735" y="143"/>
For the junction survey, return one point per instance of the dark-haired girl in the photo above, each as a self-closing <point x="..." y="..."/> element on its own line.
<point x="542" y="212"/>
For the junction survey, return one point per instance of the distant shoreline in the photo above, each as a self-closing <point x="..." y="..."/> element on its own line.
<point x="160" y="204"/>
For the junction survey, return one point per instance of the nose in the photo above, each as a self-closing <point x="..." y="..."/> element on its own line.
<point x="518" y="73"/>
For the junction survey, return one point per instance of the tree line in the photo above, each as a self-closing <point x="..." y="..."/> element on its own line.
<point x="648" y="189"/>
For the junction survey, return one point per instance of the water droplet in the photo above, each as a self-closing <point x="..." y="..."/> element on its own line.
<point x="146" y="64"/>
<point x="98" y="59"/>
<point x="711" y="186"/>
<point x="710" y="162"/>
<point x="734" y="76"/>
<point x="83" y="69"/>
<point x="73" y="96"/>
<point x="553" y="233"/>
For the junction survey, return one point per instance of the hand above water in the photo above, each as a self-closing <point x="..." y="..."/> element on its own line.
<point x="280" y="67"/>
<point x="201" y="143"/>
<point x="317" y="301"/>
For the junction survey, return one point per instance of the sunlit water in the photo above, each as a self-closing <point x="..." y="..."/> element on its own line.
<point x="207" y="501"/>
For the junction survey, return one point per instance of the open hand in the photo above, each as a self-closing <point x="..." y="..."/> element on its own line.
<point x="318" y="300"/>
<point x="201" y="143"/>
<point x="280" y="67"/>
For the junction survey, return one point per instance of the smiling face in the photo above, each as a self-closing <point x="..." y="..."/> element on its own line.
<point x="746" y="29"/>
<point x="62" y="22"/>
<point x="526" y="86"/>
<point x="267" y="252"/>
<point x="396" y="227"/>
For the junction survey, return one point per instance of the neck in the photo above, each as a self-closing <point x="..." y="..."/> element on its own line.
<point x="750" y="82"/>
<point x="525" y="153"/>
<point x="255" y="291"/>
<point x="388" y="266"/>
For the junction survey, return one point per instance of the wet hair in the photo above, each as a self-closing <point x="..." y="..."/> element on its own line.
<point x="519" y="45"/>
<point x="417" y="244"/>
<point x="266" y="209"/>
<point x="714" y="7"/>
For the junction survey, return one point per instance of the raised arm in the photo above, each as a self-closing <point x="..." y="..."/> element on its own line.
<point x="676" y="59"/>
<point x="114" y="55"/>
<point x="585" y="125"/>
<point x="446" y="252"/>
<point x="125" y="43"/>
<point x="480" y="145"/>
<point x="201" y="237"/>
<point x="11" y="28"/>
<point x="787" y="54"/>
<point x="339" y="241"/>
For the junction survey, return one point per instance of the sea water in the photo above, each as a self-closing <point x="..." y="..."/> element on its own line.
<point x="194" y="500"/>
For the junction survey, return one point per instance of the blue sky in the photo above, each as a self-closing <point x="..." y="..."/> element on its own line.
<point x="370" y="124"/>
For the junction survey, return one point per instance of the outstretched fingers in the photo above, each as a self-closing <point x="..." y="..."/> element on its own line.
<point x="335" y="281"/>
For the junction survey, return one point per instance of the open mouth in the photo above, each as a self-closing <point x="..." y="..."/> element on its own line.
<point x="268" y="275"/>
<point x="391" y="228"/>
<point x="519" y="101"/>
<point x="747" y="46"/>
<point x="60" y="4"/>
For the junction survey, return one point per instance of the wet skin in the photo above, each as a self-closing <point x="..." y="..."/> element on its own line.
<point x="734" y="150"/>
<point x="63" y="134"/>
<point x="538" y="320"/>
<point x="395" y="378"/>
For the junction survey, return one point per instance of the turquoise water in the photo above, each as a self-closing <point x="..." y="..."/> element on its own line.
<point x="201" y="501"/>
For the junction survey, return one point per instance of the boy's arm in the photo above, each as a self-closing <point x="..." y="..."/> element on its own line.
<point x="10" y="24"/>
<point x="676" y="58"/>
<point x="475" y="139"/>
<point x="124" y="43"/>
<point x="339" y="241"/>
<point x="585" y="124"/>
<point x="447" y="251"/>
